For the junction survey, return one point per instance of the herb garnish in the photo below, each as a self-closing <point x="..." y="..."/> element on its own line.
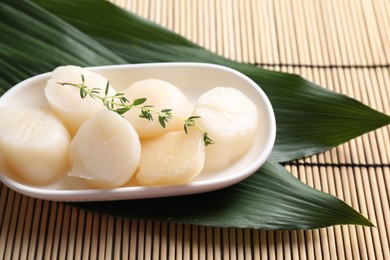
<point x="120" y="104"/>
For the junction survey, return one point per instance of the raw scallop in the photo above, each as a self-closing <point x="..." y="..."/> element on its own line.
<point x="66" y="100"/>
<point x="230" y="119"/>
<point x="35" y="143"/>
<point x="105" y="151"/>
<point x="173" y="158"/>
<point x="161" y="95"/>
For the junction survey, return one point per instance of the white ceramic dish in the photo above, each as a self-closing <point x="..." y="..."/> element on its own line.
<point x="194" y="79"/>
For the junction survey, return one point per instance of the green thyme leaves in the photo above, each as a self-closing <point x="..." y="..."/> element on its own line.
<point x="120" y="104"/>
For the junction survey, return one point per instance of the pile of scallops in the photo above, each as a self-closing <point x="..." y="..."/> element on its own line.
<point x="80" y="137"/>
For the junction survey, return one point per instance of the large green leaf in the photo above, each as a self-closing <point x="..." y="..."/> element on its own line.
<point x="96" y="33"/>
<point x="33" y="41"/>
<point x="270" y="199"/>
<point x="310" y="119"/>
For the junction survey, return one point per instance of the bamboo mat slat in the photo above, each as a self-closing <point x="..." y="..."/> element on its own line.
<point x="341" y="45"/>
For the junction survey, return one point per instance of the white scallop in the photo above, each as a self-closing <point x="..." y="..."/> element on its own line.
<point x="161" y="95"/>
<point x="66" y="100"/>
<point x="105" y="151"/>
<point x="34" y="143"/>
<point x="171" y="159"/>
<point x="230" y="119"/>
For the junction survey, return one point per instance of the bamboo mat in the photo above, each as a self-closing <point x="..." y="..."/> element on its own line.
<point x="342" y="45"/>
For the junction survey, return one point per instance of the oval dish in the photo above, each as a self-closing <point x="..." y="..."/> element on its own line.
<point x="193" y="79"/>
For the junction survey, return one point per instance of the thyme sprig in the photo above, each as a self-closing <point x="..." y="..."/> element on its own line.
<point x="120" y="104"/>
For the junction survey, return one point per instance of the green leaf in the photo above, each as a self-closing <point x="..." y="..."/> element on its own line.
<point x="161" y="120"/>
<point x="107" y="88"/>
<point x="139" y="101"/>
<point x="73" y="32"/>
<point x="271" y="199"/>
<point x="34" y="41"/>
<point x="121" y="111"/>
<point x="310" y="119"/>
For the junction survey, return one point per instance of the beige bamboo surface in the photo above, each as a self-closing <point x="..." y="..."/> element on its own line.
<point x="342" y="45"/>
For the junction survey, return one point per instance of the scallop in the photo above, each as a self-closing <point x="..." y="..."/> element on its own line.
<point x="171" y="159"/>
<point x="66" y="101"/>
<point x="105" y="151"/>
<point x="160" y="95"/>
<point x="230" y="119"/>
<point x="34" y="143"/>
